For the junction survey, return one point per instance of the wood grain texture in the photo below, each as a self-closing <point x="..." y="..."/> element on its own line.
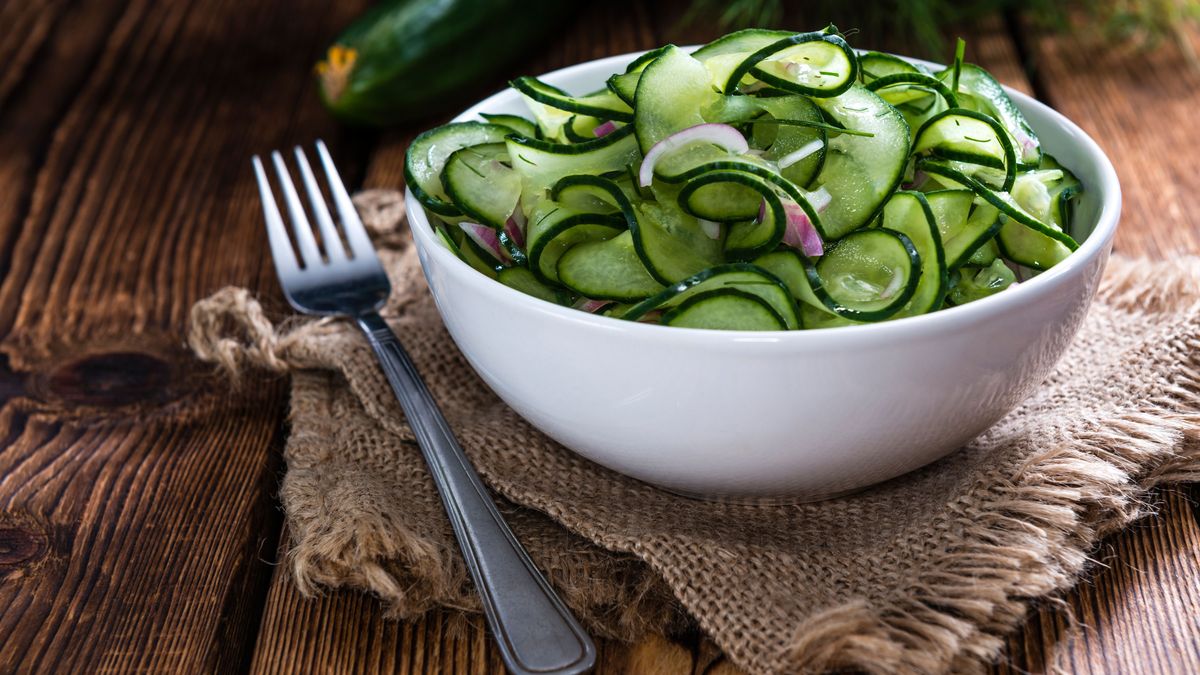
<point x="1142" y="109"/>
<point x="136" y="496"/>
<point x="1139" y="612"/>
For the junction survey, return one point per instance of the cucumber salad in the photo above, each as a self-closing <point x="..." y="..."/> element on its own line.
<point x="769" y="180"/>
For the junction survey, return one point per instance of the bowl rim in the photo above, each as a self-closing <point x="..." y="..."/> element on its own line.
<point x="1011" y="299"/>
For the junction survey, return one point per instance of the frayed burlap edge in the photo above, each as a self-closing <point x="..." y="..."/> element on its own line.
<point x="1035" y="535"/>
<point x="1038" y="533"/>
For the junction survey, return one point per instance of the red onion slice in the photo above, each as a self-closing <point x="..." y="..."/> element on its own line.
<point x="721" y="135"/>
<point x="918" y="181"/>
<point x="604" y="129"/>
<point x="804" y="151"/>
<point x="800" y="232"/>
<point x="514" y="232"/>
<point x="591" y="306"/>
<point x="487" y="238"/>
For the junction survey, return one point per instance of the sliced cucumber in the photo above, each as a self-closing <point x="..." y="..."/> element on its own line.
<point x="725" y="309"/>
<point x="671" y="244"/>
<point x="1009" y="207"/>
<point x="624" y="85"/>
<point x="818" y="64"/>
<point x="481" y="184"/>
<point x="739" y="198"/>
<point x="542" y="164"/>
<point x="603" y="104"/>
<point x="553" y="229"/>
<point x="692" y="160"/>
<point x="783" y="140"/>
<point x="793" y="120"/>
<point x="517" y="124"/>
<point x="986" y="254"/>
<point x="909" y="214"/>
<point x="978" y="90"/>
<point x="790" y="267"/>
<point x="607" y="270"/>
<point x="672" y="92"/>
<point x="427" y="155"/>
<point x="521" y="279"/>
<point x="964" y="229"/>
<point x="1062" y="194"/>
<point x="869" y="275"/>
<point x="971" y="137"/>
<point x="723" y="55"/>
<point x="974" y="283"/>
<point x="742" y="276"/>
<point x="861" y="172"/>
<point x="1030" y="248"/>
<point x="581" y="128"/>
<point x="901" y="88"/>
<point x="874" y="65"/>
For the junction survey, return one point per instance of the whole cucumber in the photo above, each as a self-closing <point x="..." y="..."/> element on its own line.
<point x="408" y="59"/>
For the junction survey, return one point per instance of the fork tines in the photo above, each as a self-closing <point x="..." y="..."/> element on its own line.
<point x="306" y="243"/>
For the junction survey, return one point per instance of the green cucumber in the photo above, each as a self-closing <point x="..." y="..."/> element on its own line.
<point x="672" y="92"/>
<point x="521" y="279"/>
<point x="869" y="275"/>
<point x="603" y="104"/>
<point x="670" y="243"/>
<point x="781" y="140"/>
<point x="743" y="276"/>
<point x="723" y="55"/>
<point x="607" y="270"/>
<point x="818" y="64"/>
<point x="790" y="267"/>
<point x="482" y="261"/>
<point x="553" y="229"/>
<point x="719" y="234"/>
<point x="1063" y="193"/>
<point x="404" y="60"/>
<point x="874" y="65"/>
<point x="735" y="197"/>
<point x="624" y="85"/>
<point x="542" y="164"/>
<point x="974" y="283"/>
<point x="724" y="309"/>
<point x="581" y="128"/>
<point x="515" y="123"/>
<point x="428" y="153"/>
<point x="1006" y="204"/>
<point x="978" y="90"/>
<point x="482" y="185"/>
<point x="900" y="88"/>
<point x="861" y="172"/>
<point x="971" y="137"/>
<point x="963" y="229"/>
<point x="909" y="213"/>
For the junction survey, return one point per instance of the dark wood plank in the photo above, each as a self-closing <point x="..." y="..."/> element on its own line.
<point x="1138" y="614"/>
<point x="137" y="518"/>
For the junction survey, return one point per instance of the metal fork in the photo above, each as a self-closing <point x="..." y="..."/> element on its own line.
<point x="535" y="630"/>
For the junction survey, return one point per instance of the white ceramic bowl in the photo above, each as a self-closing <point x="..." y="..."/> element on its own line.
<point x="805" y="414"/>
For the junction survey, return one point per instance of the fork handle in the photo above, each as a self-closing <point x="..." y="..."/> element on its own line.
<point x="534" y="629"/>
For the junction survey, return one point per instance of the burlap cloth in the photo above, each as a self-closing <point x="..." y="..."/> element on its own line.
<point x="925" y="573"/>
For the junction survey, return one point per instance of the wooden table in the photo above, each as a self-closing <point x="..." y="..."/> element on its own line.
<point x="139" y="528"/>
